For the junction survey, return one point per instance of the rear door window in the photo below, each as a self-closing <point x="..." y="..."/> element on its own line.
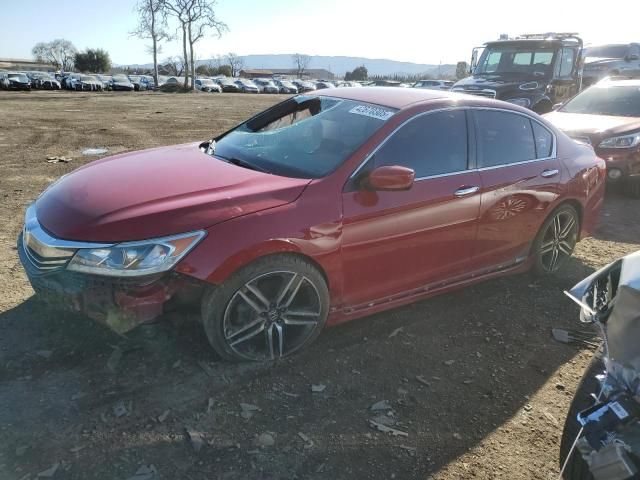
<point x="503" y="138"/>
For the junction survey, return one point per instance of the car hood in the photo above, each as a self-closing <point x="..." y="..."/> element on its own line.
<point x="593" y="126"/>
<point x="498" y="83"/>
<point x="158" y="192"/>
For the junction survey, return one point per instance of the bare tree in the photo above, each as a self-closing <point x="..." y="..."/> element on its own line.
<point x="301" y="62"/>
<point x="59" y="53"/>
<point x="235" y="62"/>
<point x="196" y="18"/>
<point x="152" y="24"/>
<point x="174" y="65"/>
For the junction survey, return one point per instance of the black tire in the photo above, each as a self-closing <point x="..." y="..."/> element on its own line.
<point x="577" y="468"/>
<point x="632" y="187"/>
<point x="221" y="301"/>
<point x="541" y="263"/>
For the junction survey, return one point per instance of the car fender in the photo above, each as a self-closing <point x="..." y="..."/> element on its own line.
<point x="306" y="227"/>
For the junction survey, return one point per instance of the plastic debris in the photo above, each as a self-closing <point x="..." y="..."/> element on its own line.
<point x="248" y="410"/>
<point x="308" y="442"/>
<point x="56" y="159"/>
<point x="396" y="332"/>
<point x="145" y="472"/>
<point x="381" y="405"/>
<point x="265" y="440"/>
<point x="95" y="151"/>
<point x="49" y="472"/>
<point x="318" y="388"/>
<point x="197" y="441"/>
<point x="386" y="429"/>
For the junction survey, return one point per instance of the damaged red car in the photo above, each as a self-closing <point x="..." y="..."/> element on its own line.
<point x="321" y="209"/>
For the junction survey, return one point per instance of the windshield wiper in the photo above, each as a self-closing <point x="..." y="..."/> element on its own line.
<point x="243" y="163"/>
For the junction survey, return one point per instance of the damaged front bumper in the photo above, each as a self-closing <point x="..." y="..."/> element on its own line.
<point x="119" y="303"/>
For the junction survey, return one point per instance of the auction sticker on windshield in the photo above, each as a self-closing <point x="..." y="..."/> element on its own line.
<point x="374" y="112"/>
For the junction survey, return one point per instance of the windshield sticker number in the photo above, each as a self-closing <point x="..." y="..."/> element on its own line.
<point x="373" y="112"/>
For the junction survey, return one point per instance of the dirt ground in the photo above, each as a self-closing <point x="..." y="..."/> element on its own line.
<point x="473" y="377"/>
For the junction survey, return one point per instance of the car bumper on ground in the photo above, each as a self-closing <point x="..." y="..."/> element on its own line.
<point x="119" y="303"/>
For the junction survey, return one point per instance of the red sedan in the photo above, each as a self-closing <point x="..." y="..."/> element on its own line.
<point x="321" y="209"/>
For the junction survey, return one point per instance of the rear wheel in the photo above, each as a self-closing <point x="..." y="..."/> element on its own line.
<point x="556" y="240"/>
<point x="267" y="310"/>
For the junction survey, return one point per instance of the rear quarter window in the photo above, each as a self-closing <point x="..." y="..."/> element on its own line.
<point x="503" y="138"/>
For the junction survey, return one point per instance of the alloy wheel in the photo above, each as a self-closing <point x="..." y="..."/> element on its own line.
<point x="558" y="241"/>
<point x="272" y="315"/>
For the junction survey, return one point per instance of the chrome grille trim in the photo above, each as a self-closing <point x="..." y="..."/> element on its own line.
<point x="485" y="92"/>
<point x="48" y="254"/>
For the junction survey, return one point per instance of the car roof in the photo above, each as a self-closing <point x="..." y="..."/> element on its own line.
<point x="393" y="97"/>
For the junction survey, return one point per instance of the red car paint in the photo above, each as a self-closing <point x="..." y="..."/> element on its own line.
<point x="376" y="249"/>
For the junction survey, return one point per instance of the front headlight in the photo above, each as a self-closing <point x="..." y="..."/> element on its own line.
<point x="522" y="102"/>
<point x="135" y="258"/>
<point x="623" y="141"/>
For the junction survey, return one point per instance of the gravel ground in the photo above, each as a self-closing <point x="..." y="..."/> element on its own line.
<point x="472" y="378"/>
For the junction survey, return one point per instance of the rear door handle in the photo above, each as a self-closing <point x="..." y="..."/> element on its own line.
<point x="548" y="173"/>
<point x="461" y="192"/>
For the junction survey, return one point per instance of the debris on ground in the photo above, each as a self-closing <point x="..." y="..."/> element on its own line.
<point x="210" y="405"/>
<point x="145" y="472"/>
<point x="248" y="410"/>
<point x="95" y="151"/>
<point x="163" y="416"/>
<point x="119" y="409"/>
<point x="448" y="363"/>
<point x="318" y="388"/>
<point x="196" y="439"/>
<point x="407" y="448"/>
<point x="578" y="337"/>
<point x="208" y="369"/>
<point x="265" y="440"/>
<point x="381" y="405"/>
<point x="386" y="429"/>
<point x="528" y="408"/>
<point x="44" y="354"/>
<point x="560" y="386"/>
<point x="308" y="442"/>
<point x="423" y="381"/>
<point x="114" y="359"/>
<point x="457" y="436"/>
<point x="396" y="332"/>
<point x="49" y="472"/>
<point x="56" y="159"/>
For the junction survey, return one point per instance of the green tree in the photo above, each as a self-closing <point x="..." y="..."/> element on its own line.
<point x="360" y="73"/>
<point x="93" y="61"/>
<point x="462" y="70"/>
<point x="204" y="70"/>
<point x="224" y="70"/>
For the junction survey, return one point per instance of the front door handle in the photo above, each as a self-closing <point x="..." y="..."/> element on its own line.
<point x="464" y="191"/>
<point x="548" y="173"/>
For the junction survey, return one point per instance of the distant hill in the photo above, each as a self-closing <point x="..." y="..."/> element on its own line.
<point x="340" y="65"/>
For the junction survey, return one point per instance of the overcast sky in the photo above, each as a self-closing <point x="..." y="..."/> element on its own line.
<point x="418" y="31"/>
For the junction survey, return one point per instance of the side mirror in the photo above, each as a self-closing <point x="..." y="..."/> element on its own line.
<point x="390" y="178"/>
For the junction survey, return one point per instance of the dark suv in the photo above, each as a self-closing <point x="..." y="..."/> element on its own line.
<point x="534" y="71"/>
<point x="607" y="60"/>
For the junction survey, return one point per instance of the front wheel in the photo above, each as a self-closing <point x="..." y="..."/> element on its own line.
<point x="556" y="240"/>
<point x="266" y="310"/>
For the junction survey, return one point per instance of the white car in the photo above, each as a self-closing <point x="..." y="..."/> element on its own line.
<point x="434" y="84"/>
<point x="207" y="85"/>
